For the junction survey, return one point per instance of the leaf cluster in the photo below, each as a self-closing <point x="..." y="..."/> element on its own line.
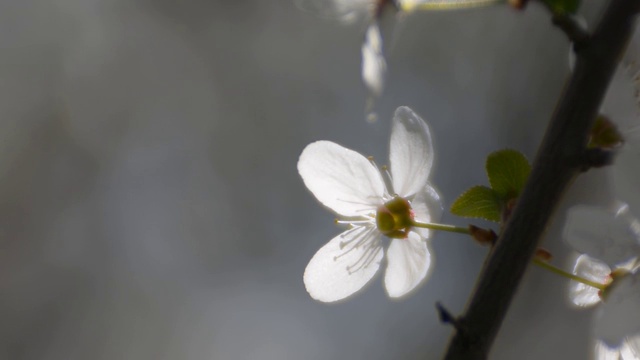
<point x="508" y="171"/>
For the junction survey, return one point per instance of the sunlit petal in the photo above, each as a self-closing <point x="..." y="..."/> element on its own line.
<point x="344" y="265"/>
<point x="601" y="234"/>
<point x="620" y="315"/>
<point x="590" y="269"/>
<point x="341" y="179"/>
<point x="374" y="65"/>
<point x="626" y="170"/>
<point x="408" y="262"/>
<point x="427" y="207"/>
<point x="411" y="152"/>
<point x="631" y="348"/>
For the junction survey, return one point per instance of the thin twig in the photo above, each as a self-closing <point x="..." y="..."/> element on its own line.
<point x="446" y="317"/>
<point x="553" y="170"/>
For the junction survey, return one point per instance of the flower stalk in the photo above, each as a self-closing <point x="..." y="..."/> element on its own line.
<point x="441" y="227"/>
<point x="568" y="275"/>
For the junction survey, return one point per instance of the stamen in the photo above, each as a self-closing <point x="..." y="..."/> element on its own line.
<point x="351" y="231"/>
<point x="380" y="199"/>
<point x="359" y="239"/>
<point x="372" y="161"/>
<point x="354" y="202"/>
<point x="352" y="222"/>
<point x="388" y="179"/>
<point x="366" y="259"/>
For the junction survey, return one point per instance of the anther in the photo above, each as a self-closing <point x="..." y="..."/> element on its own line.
<point x="373" y="162"/>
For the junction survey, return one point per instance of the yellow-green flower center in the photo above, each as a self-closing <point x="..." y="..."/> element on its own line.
<point x="394" y="218"/>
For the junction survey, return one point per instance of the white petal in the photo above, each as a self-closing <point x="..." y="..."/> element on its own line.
<point x="427" y="207"/>
<point x="604" y="352"/>
<point x="374" y="66"/>
<point x="590" y="269"/>
<point x="620" y="315"/>
<point x="631" y="348"/>
<point x="337" y="270"/>
<point x="626" y="171"/>
<point x="408" y="262"/>
<point x="411" y="152"/>
<point x="601" y="234"/>
<point x="341" y="179"/>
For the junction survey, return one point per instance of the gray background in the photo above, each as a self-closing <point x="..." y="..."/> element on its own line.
<point x="150" y="206"/>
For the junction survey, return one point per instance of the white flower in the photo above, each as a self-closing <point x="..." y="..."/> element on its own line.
<point x="617" y="322"/>
<point x="381" y="18"/>
<point x="619" y="316"/>
<point x="629" y="350"/>
<point x="373" y="205"/>
<point x="610" y="236"/>
<point x="609" y="241"/>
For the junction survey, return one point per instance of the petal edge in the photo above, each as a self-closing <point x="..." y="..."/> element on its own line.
<point x="341" y="179"/>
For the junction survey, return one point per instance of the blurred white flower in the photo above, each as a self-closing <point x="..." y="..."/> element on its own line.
<point x="619" y="315"/>
<point x="629" y="350"/>
<point x="611" y="246"/>
<point x="617" y="322"/>
<point x="378" y="14"/>
<point x="381" y="17"/>
<point x="373" y="204"/>
<point x="607" y="239"/>
<point x="610" y="236"/>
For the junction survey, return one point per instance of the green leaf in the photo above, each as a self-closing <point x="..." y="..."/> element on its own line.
<point x="508" y="171"/>
<point x="478" y="202"/>
<point x="562" y="7"/>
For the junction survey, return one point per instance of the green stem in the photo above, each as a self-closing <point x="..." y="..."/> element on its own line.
<point x="568" y="275"/>
<point x="442" y="227"/>
<point x="538" y="262"/>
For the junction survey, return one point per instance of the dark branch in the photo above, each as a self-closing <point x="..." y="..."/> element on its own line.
<point x="576" y="33"/>
<point x="553" y="170"/>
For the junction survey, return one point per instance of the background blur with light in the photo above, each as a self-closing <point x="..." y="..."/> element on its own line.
<point x="150" y="206"/>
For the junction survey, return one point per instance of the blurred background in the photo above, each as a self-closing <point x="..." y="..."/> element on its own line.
<point x="150" y="206"/>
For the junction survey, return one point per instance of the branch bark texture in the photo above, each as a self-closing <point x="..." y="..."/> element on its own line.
<point x="561" y="157"/>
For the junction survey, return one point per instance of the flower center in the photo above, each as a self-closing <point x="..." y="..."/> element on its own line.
<point x="394" y="218"/>
<point x="612" y="281"/>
